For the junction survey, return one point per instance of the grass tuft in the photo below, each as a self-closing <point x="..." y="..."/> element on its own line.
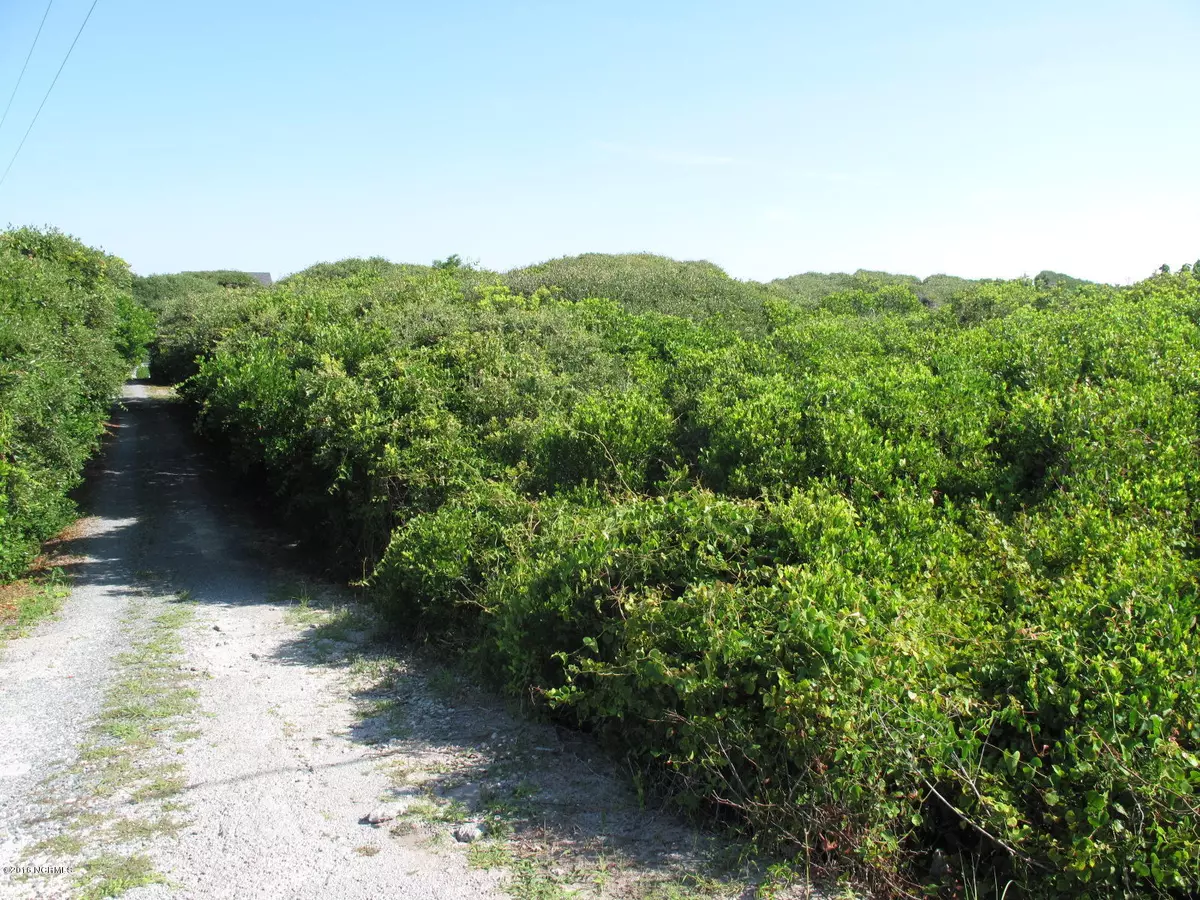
<point x="112" y="874"/>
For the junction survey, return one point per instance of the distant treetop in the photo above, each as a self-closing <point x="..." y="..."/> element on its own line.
<point x="1048" y="279"/>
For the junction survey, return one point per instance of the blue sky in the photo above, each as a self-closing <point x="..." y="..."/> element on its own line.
<point x="772" y="138"/>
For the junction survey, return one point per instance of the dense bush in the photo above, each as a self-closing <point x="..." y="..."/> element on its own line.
<point x="69" y="333"/>
<point x="870" y="578"/>
<point x="812" y="287"/>
<point x="156" y="291"/>
<point x="641" y="282"/>
<point x="191" y="309"/>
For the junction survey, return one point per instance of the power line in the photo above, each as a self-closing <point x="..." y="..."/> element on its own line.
<point x="48" y="90"/>
<point x="20" y="77"/>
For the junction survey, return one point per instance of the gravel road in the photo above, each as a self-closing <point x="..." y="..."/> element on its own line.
<point x="51" y="682"/>
<point x="292" y="725"/>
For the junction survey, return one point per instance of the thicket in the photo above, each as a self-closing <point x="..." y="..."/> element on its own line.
<point x="155" y="291"/>
<point x="190" y="309"/>
<point x="69" y="332"/>
<point x="812" y="287"/>
<point x="641" y="282"/>
<point x="882" y="583"/>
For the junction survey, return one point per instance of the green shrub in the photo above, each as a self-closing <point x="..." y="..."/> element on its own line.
<point x="69" y="332"/>
<point x="191" y="309"/>
<point x="155" y="291"/>
<point x="642" y="282"/>
<point x="811" y="288"/>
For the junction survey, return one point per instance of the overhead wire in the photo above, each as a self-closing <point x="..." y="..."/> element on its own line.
<point x="29" y="56"/>
<point x="49" y="90"/>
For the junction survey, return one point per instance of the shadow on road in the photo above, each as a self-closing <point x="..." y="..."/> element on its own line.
<point x="156" y="507"/>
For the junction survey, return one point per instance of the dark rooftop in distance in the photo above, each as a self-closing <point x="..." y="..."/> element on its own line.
<point x="263" y="278"/>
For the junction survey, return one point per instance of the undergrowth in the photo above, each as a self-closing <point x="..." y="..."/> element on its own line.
<point x="27" y="601"/>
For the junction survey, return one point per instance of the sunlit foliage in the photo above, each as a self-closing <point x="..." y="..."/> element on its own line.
<point x="70" y="332"/>
<point x="868" y="575"/>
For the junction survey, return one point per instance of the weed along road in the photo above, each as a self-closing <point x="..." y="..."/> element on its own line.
<point x="201" y="721"/>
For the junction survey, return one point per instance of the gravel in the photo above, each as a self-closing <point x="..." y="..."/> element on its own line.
<point x="51" y="682"/>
